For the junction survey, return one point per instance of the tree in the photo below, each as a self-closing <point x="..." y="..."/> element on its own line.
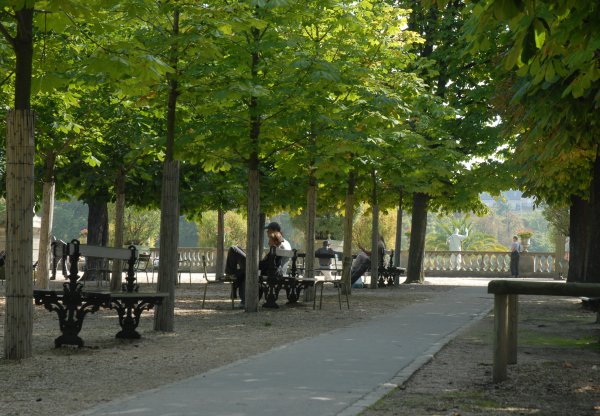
<point x="453" y="126"/>
<point x="19" y="187"/>
<point x="551" y="83"/>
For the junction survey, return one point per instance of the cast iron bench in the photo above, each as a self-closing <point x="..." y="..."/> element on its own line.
<point x="73" y="302"/>
<point x="506" y="313"/>
<point x="389" y="275"/>
<point x="272" y="282"/>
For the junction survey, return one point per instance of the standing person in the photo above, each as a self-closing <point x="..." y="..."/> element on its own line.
<point x="515" y="249"/>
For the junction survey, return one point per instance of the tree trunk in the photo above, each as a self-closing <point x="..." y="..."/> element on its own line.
<point x="591" y="272"/>
<point x="117" y="268"/>
<point x="578" y="215"/>
<point x="374" y="234"/>
<point x="220" y="244"/>
<point x="417" y="238"/>
<point x="18" y="323"/>
<point x="169" y="204"/>
<point x="169" y="239"/>
<point x="254" y="231"/>
<point x="97" y="226"/>
<point x="261" y="236"/>
<point x="348" y="216"/>
<point x="253" y="243"/>
<point x="311" y="210"/>
<point x="43" y="268"/>
<point x="20" y="152"/>
<point x="398" y="245"/>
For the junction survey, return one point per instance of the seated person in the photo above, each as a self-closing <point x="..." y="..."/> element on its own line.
<point x="235" y="265"/>
<point x="274" y="231"/>
<point x="362" y="262"/>
<point x="360" y="265"/>
<point x="325" y="261"/>
<point x="275" y="240"/>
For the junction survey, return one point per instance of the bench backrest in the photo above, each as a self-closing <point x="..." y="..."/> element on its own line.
<point x="106" y="252"/>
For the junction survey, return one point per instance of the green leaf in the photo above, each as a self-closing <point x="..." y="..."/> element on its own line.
<point x="506" y="9"/>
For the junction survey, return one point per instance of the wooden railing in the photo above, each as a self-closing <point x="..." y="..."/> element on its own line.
<point x="436" y="263"/>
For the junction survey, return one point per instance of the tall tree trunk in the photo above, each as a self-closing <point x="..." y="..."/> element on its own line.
<point x="97" y="225"/>
<point x="254" y="232"/>
<point x="374" y="233"/>
<point x="253" y="243"/>
<point x="20" y="150"/>
<point x="18" y="322"/>
<point x="578" y="215"/>
<point x="43" y="267"/>
<point x="398" y="244"/>
<point x="117" y="268"/>
<point x="169" y="204"/>
<point x="348" y="217"/>
<point x="417" y="238"/>
<point x="169" y="239"/>
<point x="311" y="210"/>
<point x="311" y="203"/>
<point x="591" y="272"/>
<point x="220" y="244"/>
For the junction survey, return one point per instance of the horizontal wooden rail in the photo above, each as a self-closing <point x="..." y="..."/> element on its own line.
<point x="506" y="313"/>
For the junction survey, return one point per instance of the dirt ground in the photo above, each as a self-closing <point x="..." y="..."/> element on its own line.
<point x="558" y="371"/>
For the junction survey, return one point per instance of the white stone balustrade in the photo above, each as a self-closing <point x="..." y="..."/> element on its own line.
<point x="436" y="263"/>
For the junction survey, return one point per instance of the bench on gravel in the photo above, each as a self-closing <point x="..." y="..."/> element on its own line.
<point x="272" y="280"/>
<point x="73" y="302"/>
<point x="506" y="296"/>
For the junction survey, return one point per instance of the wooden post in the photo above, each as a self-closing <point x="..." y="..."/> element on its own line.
<point x="500" y="337"/>
<point x="512" y="330"/>
<point x="18" y="327"/>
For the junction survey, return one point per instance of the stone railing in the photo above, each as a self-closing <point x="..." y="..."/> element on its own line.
<point x="193" y="256"/>
<point x="436" y="263"/>
<point x="488" y="264"/>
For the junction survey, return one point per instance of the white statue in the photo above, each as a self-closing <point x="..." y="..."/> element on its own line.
<point x="455" y="240"/>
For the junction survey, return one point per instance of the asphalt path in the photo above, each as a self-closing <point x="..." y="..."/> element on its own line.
<point x="336" y="373"/>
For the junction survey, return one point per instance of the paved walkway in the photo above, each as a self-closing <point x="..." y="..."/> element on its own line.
<point x="337" y="373"/>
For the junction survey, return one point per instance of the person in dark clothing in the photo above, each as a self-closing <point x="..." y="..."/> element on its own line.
<point x="235" y="265"/>
<point x="515" y="249"/>
<point x="324" y="255"/>
<point x="362" y="262"/>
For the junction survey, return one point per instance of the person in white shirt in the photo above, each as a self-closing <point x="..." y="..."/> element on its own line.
<point x="274" y="227"/>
